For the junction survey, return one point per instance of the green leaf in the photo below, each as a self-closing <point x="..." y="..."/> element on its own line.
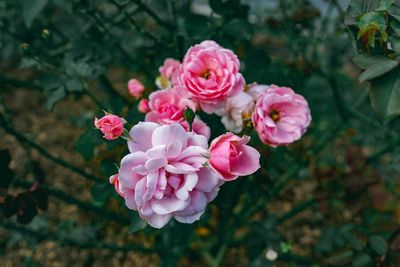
<point x="87" y="142"/>
<point x="364" y="61"/>
<point x="55" y="97"/>
<point x="378" y="244"/>
<point x="394" y="11"/>
<point x="395" y="42"/>
<point x="357" y="8"/>
<point x="384" y="5"/>
<point x="101" y="192"/>
<point x="361" y="260"/>
<point x="385" y="96"/>
<point x="341" y="257"/>
<point x="107" y="167"/>
<point x="137" y="223"/>
<point x="217" y="6"/>
<point x="356" y="240"/>
<point x="395" y="26"/>
<point x="238" y="28"/>
<point x="379" y="69"/>
<point x="74" y="85"/>
<point x="30" y="10"/>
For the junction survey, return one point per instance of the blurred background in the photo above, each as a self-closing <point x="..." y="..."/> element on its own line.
<point x="331" y="199"/>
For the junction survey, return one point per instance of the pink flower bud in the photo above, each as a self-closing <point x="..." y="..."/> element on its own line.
<point x="110" y="125"/>
<point x="135" y="88"/>
<point x="231" y="157"/>
<point x="114" y="180"/>
<point x="144" y="106"/>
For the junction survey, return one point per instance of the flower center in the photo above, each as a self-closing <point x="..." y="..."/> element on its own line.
<point x="274" y="115"/>
<point x="206" y="74"/>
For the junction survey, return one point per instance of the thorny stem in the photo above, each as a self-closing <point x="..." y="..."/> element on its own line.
<point x="101" y="211"/>
<point x="24" y="140"/>
<point x="153" y="15"/>
<point x="71" y="242"/>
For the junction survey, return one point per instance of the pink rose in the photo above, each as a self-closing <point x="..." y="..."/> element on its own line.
<point x="163" y="176"/>
<point x="115" y="181"/>
<point x="169" y="67"/>
<point x="110" y="125"/>
<point x="209" y="74"/>
<point x="281" y="116"/>
<point x="256" y="90"/>
<point x="144" y="106"/>
<point x="230" y="157"/>
<point x="135" y="88"/>
<point x="236" y="109"/>
<point x="200" y="127"/>
<point x="167" y="107"/>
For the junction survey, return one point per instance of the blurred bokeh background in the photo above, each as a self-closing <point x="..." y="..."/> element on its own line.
<point x="331" y="199"/>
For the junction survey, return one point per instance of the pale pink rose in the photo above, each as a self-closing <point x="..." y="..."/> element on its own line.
<point x="164" y="174"/>
<point x="281" y="116"/>
<point x="115" y="181"/>
<point x="209" y="74"/>
<point x="169" y="67"/>
<point x="144" y="106"/>
<point x="110" y="125"/>
<point x="256" y="90"/>
<point x="236" y="109"/>
<point x="231" y="157"/>
<point x="135" y="88"/>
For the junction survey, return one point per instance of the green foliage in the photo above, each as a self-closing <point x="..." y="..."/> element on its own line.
<point x="378" y="21"/>
<point x="317" y="202"/>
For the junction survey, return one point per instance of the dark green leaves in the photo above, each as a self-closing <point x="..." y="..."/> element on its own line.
<point x="361" y="260"/>
<point x="54" y="97"/>
<point x="378" y="69"/>
<point x="30" y="10"/>
<point x="7" y="175"/>
<point x="382" y="72"/>
<point x="378" y="244"/>
<point x="385" y="95"/>
<point x="137" y="223"/>
<point x="189" y="115"/>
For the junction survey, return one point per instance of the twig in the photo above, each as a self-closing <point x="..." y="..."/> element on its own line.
<point x="101" y="211"/>
<point x="21" y="138"/>
<point x="71" y="242"/>
<point x="153" y="15"/>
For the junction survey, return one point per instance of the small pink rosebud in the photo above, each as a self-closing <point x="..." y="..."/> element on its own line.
<point x="114" y="180"/>
<point x="135" y="88"/>
<point x="144" y="106"/>
<point x="231" y="157"/>
<point x="110" y="125"/>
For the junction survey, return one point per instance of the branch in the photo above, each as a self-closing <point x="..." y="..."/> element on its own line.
<point x="71" y="242"/>
<point x="101" y="211"/>
<point x="24" y="140"/>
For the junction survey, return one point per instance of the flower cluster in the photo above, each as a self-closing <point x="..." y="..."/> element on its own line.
<point x="171" y="170"/>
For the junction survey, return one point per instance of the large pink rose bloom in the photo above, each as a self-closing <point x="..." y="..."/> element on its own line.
<point x="163" y="176"/>
<point x="231" y="157"/>
<point x="167" y="107"/>
<point x="281" y="116"/>
<point x="209" y="74"/>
